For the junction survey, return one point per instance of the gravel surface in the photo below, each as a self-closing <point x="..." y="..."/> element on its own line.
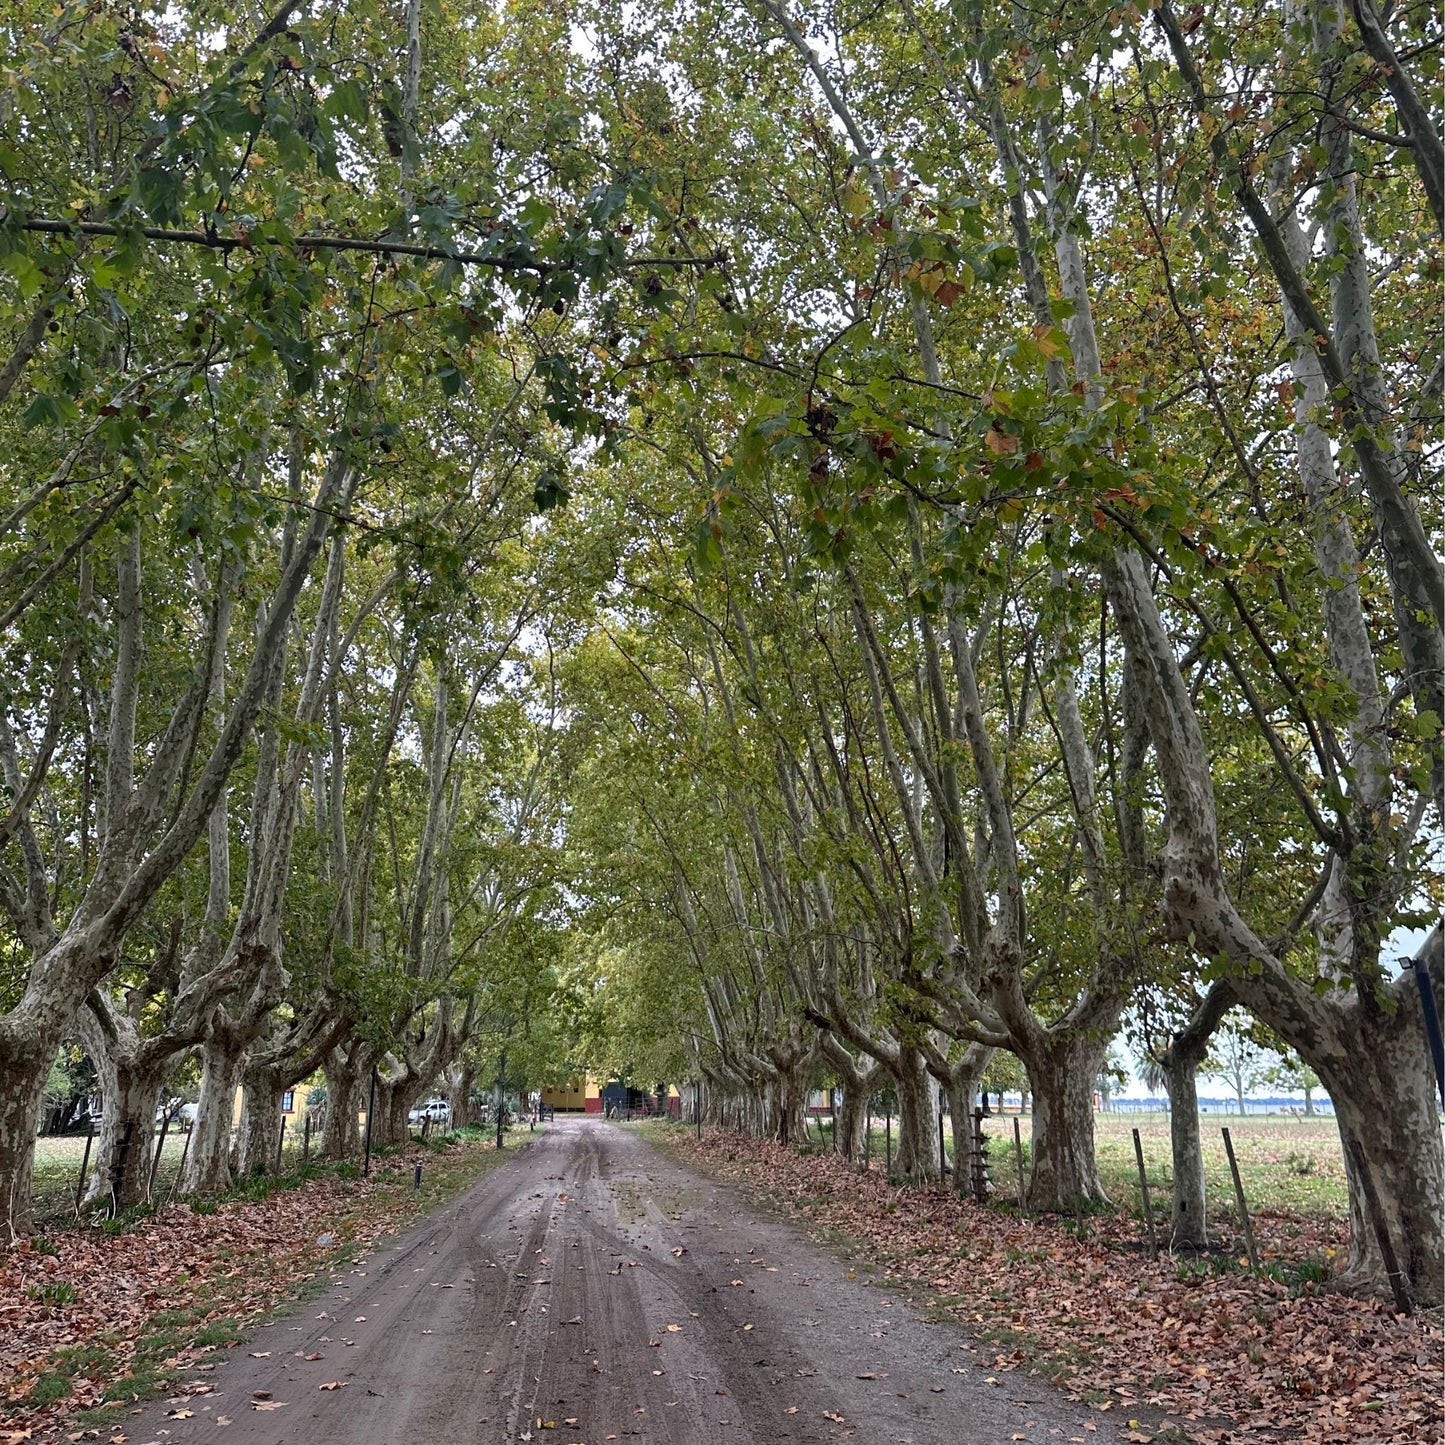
<point x="594" y="1290"/>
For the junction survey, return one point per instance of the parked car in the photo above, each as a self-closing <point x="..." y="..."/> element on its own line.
<point x="180" y="1111"/>
<point x="437" y="1110"/>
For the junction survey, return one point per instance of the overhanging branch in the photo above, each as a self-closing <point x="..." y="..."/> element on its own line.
<point x="215" y="241"/>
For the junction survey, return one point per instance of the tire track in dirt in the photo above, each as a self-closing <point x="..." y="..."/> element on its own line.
<point x="592" y="1290"/>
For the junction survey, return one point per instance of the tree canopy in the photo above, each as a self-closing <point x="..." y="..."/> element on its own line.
<point x="738" y="544"/>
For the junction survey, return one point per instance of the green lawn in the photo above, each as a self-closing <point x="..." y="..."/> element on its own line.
<point x="1284" y="1161"/>
<point x="57" y="1169"/>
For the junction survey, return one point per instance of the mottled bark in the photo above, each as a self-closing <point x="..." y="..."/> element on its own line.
<point x="916" y="1155"/>
<point x="1062" y="1070"/>
<point x="858" y="1080"/>
<point x="459" y="1081"/>
<point x="1181" y="1059"/>
<point x="963" y="1083"/>
<point x="260" y="1130"/>
<point x="1374" y="1060"/>
<point x="130" y="1081"/>
<point x="208" y="1165"/>
<point x="346" y="1096"/>
<point x="1189" y="1219"/>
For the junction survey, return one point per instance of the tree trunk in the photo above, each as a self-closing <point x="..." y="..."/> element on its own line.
<point x="1189" y="1225"/>
<point x="851" y="1140"/>
<point x="382" y="1126"/>
<point x="964" y="1081"/>
<point x="1061" y="1073"/>
<point x="121" y="1161"/>
<point x="346" y="1097"/>
<point x="405" y="1095"/>
<point x="917" y="1155"/>
<point x="24" y="1068"/>
<point x="858" y="1080"/>
<point x="1378" y="1073"/>
<point x="208" y="1167"/>
<point x="260" y="1119"/>
<point x="789" y="1124"/>
<point x="396" y="1097"/>
<point x="459" y="1093"/>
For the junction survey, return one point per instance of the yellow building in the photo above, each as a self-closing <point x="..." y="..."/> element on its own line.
<point x="590" y="1096"/>
<point x="578" y="1096"/>
<point x="293" y="1106"/>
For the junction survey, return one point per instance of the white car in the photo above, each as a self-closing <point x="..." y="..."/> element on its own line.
<point x="437" y="1110"/>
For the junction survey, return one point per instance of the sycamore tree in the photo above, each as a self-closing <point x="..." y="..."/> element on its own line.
<point x="242" y="254"/>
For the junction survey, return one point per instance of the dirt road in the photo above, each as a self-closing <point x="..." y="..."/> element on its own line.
<point x="592" y="1290"/>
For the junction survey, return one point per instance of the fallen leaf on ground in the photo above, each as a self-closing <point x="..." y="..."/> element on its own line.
<point x="1248" y="1354"/>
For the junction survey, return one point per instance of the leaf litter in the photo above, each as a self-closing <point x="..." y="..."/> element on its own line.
<point x="1222" y="1357"/>
<point x="236" y="1263"/>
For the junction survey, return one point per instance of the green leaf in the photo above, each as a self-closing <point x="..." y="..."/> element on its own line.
<point x="549" y="491"/>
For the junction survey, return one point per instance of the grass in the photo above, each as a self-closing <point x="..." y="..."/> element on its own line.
<point x="1285" y="1162"/>
<point x="58" y="1161"/>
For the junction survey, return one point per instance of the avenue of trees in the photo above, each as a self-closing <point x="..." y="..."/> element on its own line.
<point x="749" y="543"/>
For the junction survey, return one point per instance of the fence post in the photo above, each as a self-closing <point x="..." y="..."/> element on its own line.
<point x="370" y="1115"/>
<point x="1019" y="1161"/>
<point x="888" y="1141"/>
<point x="1239" y="1196"/>
<point x="1432" y="1019"/>
<point x="1144" y="1192"/>
<point x="1382" y="1229"/>
<point x="942" y="1156"/>
<point x="281" y="1144"/>
<point x="980" y="1160"/>
<point x="160" y="1146"/>
<point x="85" y="1160"/>
<point x="181" y="1167"/>
<point x="306" y="1140"/>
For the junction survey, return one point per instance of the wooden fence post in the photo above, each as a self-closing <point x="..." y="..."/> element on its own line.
<point x="980" y="1159"/>
<point x="1393" y="1272"/>
<point x="156" y="1163"/>
<point x="1243" y="1208"/>
<point x="1144" y="1193"/>
<point x="181" y="1167"/>
<point x="85" y="1160"/>
<point x="1019" y="1161"/>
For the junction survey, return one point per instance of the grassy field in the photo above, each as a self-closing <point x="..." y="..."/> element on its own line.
<point x="1285" y="1162"/>
<point x="58" y="1160"/>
